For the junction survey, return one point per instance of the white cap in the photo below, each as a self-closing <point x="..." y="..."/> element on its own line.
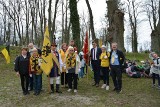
<point x="103" y="46"/>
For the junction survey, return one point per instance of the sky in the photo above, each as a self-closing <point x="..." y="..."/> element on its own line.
<point x="99" y="8"/>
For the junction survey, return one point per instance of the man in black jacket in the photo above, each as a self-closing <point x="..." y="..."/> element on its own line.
<point x="22" y="69"/>
<point x="95" y="61"/>
<point x="116" y="61"/>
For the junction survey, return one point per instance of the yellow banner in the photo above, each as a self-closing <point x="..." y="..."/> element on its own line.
<point x="46" y="62"/>
<point x="6" y="55"/>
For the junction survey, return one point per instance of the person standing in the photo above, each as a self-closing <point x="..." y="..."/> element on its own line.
<point x="116" y="61"/>
<point x="95" y="61"/>
<point x="30" y="51"/>
<point x="81" y="56"/>
<point x="105" y="67"/>
<point x="22" y="69"/>
<point x="155" y="69"/>
<point x="55" y="71"/>
<point x="72" y="43"/>
<point x="63" y="53"/>
<point x="72" y="62"/>
<point x="36" y="71"/>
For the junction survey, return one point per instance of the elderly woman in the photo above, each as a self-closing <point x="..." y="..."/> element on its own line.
<point x="104" y="57"/>
<point x="22" y="69"/>
<point x="36" y="71"/>
<point x="72" y="65"/>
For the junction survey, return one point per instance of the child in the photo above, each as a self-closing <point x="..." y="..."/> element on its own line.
<point x="155" y="68"/>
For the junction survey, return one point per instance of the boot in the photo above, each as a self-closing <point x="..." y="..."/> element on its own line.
<point x="52" y="88"/>
<point x="57" y="88"/>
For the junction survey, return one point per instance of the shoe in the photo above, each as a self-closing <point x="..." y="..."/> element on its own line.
<point x="24" y="93"/>
<point x="107" y="87"/>
<point x="75" y="91"/>
<point x="69" y="90"/>
<point x="97" y="85"/>
<point x="94" y="84"/>
<point x="158" y="87"/>
<point x="57" y="88"/>
<point x="27" y="92"/>
<point x="119" y="91"/>
<point x="103" y="86"/>
<point x="153" y="85"/>
<point x="58" y="91"/>
<point x="35" y="93"/>
<point x="114" y="89"/>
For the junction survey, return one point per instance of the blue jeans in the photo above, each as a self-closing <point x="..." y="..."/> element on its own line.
<point x="37" y="82"/>
<point x="81" y="73"/>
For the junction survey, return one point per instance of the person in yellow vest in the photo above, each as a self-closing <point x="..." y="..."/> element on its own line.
<point x="72" y="66"/>
<point x="63" y="53"/>
<point x="36" y="71"/>
<point x="104" y="57"/>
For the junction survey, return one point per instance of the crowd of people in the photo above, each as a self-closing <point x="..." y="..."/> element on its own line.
<point x="69" y="65"/>
<point x="149" y="69"/>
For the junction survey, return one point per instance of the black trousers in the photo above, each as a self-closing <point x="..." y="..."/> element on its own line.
<point x="72" y="77"/>
<point x="105" y="71"/>
<point x="96" y="70"/>
<point x="63" y="78"/>
<point x="24" y="82"/>
<point x="116" y="74"/>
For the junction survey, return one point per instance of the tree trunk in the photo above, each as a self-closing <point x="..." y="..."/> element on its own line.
<point x="74" y="18"/>
<point x="116" y="24"/>
<point x="91" y="21"/>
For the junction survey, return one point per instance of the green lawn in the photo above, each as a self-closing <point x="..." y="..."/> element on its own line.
<point x="136" y="92"/>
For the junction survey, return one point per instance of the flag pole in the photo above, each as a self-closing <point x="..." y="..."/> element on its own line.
<point x="49" y="86"/>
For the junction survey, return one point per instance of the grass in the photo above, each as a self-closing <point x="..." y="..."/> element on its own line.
<point x="136" y="92"/>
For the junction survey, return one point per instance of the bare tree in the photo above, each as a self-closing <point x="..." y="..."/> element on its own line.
<point x="153" y="14"/>
<point x="91" y="20"/>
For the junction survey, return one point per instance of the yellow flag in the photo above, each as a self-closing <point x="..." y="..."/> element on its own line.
<point x="5" y="52"/>
<point x="46" y="62"/>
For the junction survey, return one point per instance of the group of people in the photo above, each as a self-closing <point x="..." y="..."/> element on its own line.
<point x="68" y="66"/>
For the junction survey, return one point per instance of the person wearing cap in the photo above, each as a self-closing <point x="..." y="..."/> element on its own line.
<point x="72" y="66"/>
<point x="55" y="71"/>
<point x="105" y="67"/>
<point x="72" y="43"/>
<point x="22" y="69"/>
<point x="116" y="60"/>
<point x="95" y="61"/>
<point x="36" y="71"/>
<point x="63" y="53"/>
